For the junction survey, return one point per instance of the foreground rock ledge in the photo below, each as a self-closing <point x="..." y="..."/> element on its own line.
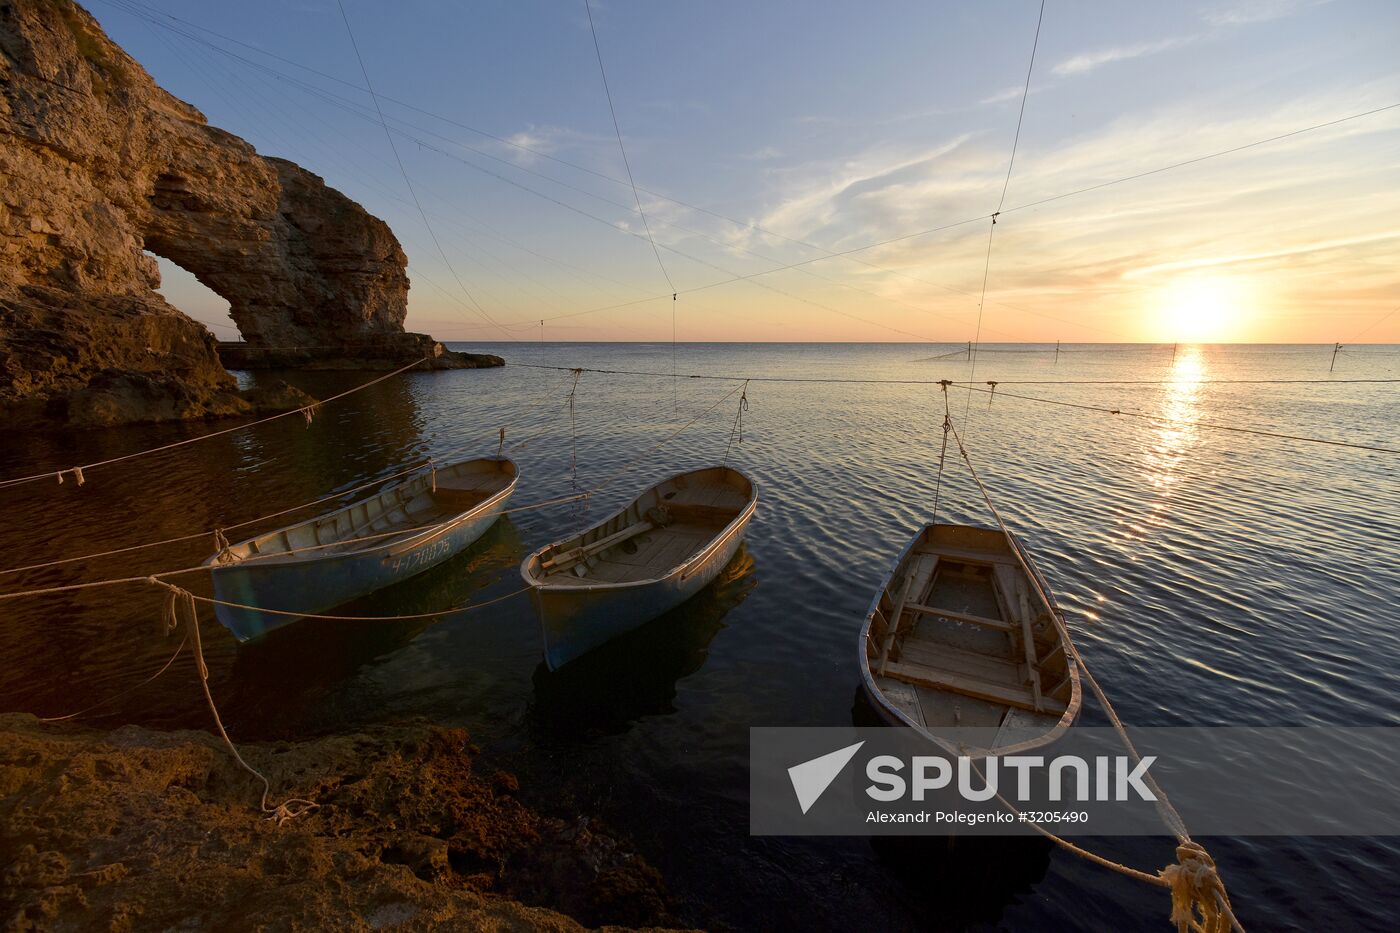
<point x="136" y="829"/>
<point x="100" y="166"/>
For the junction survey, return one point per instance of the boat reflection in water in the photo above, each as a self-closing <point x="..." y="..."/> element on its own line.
<point x="408" y="527"/>
<point x="315" y="655"/>
<point x="956" y="882"/>
<point x="663" y="548"/>
<point x="635" y="675"/>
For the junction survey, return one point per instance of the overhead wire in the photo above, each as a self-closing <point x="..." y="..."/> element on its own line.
<point x="135" y="9"/>
<point x="1001" y="202"/>
<point x="626" y="164"/>
<point x="369" y="85"/>
<point x="1038" y="399"/>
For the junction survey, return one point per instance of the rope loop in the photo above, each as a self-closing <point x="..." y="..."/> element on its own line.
<point x="77" y="472"/>
<point x="1199" y="899"/>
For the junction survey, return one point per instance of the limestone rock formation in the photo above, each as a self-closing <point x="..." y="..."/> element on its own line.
<point x="98" y="165"/>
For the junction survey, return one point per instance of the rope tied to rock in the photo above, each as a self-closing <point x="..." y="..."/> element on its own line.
<point x="181" y="598"/>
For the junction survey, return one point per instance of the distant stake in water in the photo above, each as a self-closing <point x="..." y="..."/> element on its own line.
<point x="1335" y="350"/>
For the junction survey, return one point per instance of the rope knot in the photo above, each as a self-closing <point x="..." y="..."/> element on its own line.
<point x="1199" y="901"/>
<point x="221" y="548"/>
<point x="290" y="809"/>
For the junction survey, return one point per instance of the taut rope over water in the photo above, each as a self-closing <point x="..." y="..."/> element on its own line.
<point x="1199" y="899"/>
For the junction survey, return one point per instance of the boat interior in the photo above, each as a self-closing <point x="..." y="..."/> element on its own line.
<point x="422" y="500"/>
<point x="660" y="530"/>
<point x="961" y="639"/>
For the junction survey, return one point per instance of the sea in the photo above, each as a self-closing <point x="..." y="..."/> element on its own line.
<point x="1210" y="577"/>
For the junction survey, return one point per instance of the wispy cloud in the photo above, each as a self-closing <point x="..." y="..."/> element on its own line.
<point x="1010" y="93"/>
<point x="1268" y="256"/>
<point x="763" y="154"/>
<point x="1277" y="216"/>
<point x="873" y="189"/>
<point x="1218" y="20"/>
<point x="1088" y="61"/>
<point x="1255" y="11"/>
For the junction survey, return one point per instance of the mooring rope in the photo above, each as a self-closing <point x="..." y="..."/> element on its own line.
<point x="117" y="696"/>
<point x="738" y="423"/>
<point x="583" y="495"/>
<point x="306" y="411"/>
<point x="1199" y="898"/>
<point x="181" y="598"/>
<point x="215" y="531"/>
<point x="406" y="617"/>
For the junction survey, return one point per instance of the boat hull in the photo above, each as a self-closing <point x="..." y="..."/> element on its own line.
<point x="299" y="588"/>
<point x="574" y="620"/>
<point x="886" y="713"/>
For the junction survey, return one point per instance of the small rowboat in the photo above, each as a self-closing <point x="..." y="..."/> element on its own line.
<point x="960" y="637"/>
<point x="663" y="548"/>
<point x="365" y="546"/>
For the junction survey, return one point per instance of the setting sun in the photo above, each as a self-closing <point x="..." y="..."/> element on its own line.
<point x="1201" y="309"/>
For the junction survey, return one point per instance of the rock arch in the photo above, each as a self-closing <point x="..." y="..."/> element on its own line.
<point x="101" y="164"/>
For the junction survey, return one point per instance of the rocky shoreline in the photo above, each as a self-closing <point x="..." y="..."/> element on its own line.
<point x="378" y="353"/>
<point x="139" y="829"/>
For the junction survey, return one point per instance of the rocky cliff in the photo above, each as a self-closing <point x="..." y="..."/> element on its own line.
<point x="99" y="165"/>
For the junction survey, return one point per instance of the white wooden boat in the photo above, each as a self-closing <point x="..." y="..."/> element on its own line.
<point x="959" y="638"/>
<point x="653" y="555"/>
<point x="395" y="534"/>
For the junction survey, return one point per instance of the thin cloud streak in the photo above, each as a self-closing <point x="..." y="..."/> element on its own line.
<point x="1088" y="61"/>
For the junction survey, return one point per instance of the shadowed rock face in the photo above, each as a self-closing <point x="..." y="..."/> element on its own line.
<point x="100" y="164"/>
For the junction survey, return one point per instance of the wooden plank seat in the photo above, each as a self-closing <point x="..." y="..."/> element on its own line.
<point x="1015" y="696"/>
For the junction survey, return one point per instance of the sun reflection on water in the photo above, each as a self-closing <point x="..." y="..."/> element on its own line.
<point x="1172" y="444"/>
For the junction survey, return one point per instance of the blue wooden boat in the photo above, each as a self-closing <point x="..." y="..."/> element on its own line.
<point x="667" y="545"/>
<point x="395" y="534"/>
<point x="958" y="638"/>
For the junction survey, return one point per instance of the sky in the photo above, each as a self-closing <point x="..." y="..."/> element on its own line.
<point x="770" y="135"/>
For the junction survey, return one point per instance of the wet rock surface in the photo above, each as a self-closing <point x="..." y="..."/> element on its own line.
<point x="136" y="829"/>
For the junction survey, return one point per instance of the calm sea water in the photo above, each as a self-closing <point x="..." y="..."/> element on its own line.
<point x="1210" y="579"/>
